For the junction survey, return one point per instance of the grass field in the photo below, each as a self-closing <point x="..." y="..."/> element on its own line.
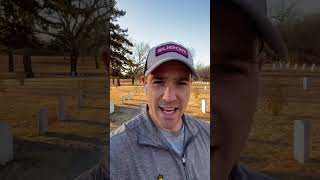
<point x="74" y="145"/>
<point x="132" y="107"/>
<point x="70" y="147"/>
<point x="270" y="145"/>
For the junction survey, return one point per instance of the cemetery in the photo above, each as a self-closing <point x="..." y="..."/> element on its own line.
<point x="284" y="141"/>
<point x="52" y="126"/>
<point x="128" y="100"/>
<point x="45" y="118"/>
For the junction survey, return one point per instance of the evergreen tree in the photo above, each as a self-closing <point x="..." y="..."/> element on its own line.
<point x="119" y="46"/>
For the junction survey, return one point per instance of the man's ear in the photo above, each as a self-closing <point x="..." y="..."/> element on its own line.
<point x="145" y="90"/>
<point x="144" y="81"/>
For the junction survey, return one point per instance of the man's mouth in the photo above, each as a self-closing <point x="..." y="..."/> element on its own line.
<point x="168" y="110"/>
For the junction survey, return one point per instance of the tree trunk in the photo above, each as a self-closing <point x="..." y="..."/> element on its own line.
<point x="73" y="64"/>
<point x="27" y="66"/>
<point x="118" y="81"/>
<point x="112" y="80"/>
<point x="132" y="80"/>
<point x="96" y="61"/>
<point x="11" y="64"/>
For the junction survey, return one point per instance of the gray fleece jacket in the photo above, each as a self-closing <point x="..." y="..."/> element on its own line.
<point x="139" y="151"/>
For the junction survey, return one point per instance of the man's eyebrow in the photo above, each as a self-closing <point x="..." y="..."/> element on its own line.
<point x="158" y="77"/>
<point x="184" y="78"/>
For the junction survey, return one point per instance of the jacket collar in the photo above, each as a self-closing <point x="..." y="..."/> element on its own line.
<point x="150" y="135"/>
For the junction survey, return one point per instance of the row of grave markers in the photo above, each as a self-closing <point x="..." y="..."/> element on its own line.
<point x="201" y="82"/>
<point x="295" y="66"/>
<point x="302" y="137"/>
<point x="6" y="137"/>
<point x="204" y="104"/>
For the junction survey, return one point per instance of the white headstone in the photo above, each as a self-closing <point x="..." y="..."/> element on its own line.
<point x="129" y="96"/>
<point x="205" y="87"/>
<point x="313" y="67"/>
<point x="295" y="66"/>
<point x="122" y="99"/>
<point x="273" y="66"/>
<point x="61" y="108"/>
<point x="42" y="121"/>
<point x="280" y="65"/>
<point x="288" y="65"/>
<point x="303" y="67"/>
<point x="111" y="106"/>
<point x="302" y="140"/>
<point x="80" y="100"/>
<point x="306" y="83"/>
<point x="6" y="143"/>
<point x="203" y="105"/>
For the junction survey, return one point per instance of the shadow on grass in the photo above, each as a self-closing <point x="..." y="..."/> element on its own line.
<point x="272" y="143"/>
<point x="86" y="122"/>
<point x="102" y="107"/>
<point x="131" y="105"/>
<point x="72" y="137"/>
<point x="42" y="160"/>
<point x="291" y="176"/>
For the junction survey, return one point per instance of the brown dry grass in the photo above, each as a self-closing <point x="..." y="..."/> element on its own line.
<point x="133" y="106"/>
<point x="69" y="148"/>
<point x="270" y="145"/>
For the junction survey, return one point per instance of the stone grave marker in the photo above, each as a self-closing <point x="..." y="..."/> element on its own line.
<point x="306" y="83"/>
<point x="111" y="106"/>
<point x="6" y="143"/>
<point x="302" y="140"/>
<point x="122" y="99"/>
<point x="42" y="121"/>
<point x="61" y="108"/>
<point x="203" y="105"/>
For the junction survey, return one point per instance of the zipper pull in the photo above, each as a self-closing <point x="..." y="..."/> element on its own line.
<point x="183" y="161"/>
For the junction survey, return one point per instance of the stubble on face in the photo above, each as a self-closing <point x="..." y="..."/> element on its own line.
<point x="167" y="94"/>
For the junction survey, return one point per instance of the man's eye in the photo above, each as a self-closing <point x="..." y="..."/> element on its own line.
<point x="157" y="82"/>
<point x="182" y="83"/>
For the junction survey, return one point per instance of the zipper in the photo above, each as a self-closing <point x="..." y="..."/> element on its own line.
<point x="182" y="158"/>
<point x="184" y="163"/>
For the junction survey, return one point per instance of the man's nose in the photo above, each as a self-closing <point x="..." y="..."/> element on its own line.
<point x="169" y="94"/>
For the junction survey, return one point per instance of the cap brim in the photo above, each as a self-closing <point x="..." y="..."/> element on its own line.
<point x="154" y="66"/>
<point x="269" y="33"/>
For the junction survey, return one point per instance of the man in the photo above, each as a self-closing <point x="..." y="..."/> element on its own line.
<point x="163" y="142"/>
<point x="240" y="31"/>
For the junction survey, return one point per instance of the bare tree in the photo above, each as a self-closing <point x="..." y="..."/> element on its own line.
<point x="138" y="57"/>
<point x="72" y="22"/>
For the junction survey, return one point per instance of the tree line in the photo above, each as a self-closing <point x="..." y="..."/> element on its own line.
<point x="301" y="32"/>
<point x="69" y="28"/>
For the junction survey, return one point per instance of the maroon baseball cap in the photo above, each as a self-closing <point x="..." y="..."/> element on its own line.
<point x="169" y="51"/>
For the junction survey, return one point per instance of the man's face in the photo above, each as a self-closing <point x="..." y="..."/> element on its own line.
<point x="235" y="80"/>
<point x="167" y="94"/>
